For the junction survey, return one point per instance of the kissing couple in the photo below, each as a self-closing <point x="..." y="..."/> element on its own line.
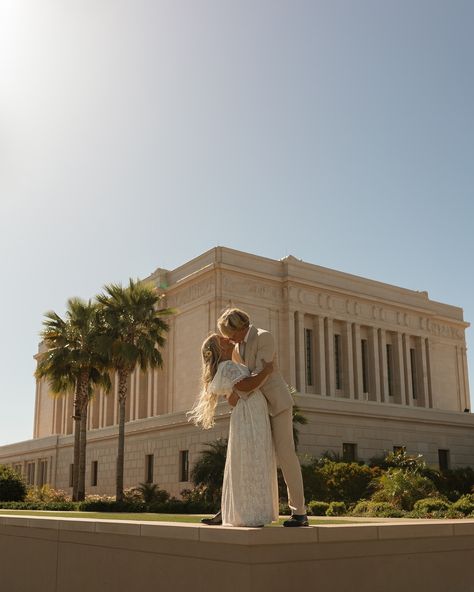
<point x="238" y="363"/>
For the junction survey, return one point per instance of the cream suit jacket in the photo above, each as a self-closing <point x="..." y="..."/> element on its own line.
<point x="261" y="345"/>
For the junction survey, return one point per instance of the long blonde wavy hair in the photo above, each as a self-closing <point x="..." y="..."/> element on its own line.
<point x="203" y="412"/>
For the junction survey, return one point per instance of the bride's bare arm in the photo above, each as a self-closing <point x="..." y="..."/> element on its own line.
<point x="251" y="383"/>
<point x="254" y="381"/>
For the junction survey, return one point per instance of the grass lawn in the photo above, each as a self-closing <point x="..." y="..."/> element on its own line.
<point x="192" y="518"/>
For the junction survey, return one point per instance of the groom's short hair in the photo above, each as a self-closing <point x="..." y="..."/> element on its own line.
<point x="232" y="320"/>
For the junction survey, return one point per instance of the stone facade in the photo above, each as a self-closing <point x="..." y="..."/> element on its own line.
<point x="376" y="367"/>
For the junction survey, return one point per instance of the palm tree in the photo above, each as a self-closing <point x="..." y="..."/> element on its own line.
<point x="298" y="418"/>
<point x="208" y="472"/>
<point x="133" y="335"/>
<point x="72" y="363"/>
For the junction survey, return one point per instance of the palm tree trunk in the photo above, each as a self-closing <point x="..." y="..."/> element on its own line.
<point x="81" y="489"/>
<point x="77" y="437"/>
<point x="122" y="392"/>
<point x="80" y="399"/>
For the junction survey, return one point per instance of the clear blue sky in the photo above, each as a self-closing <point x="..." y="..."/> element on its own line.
<point x="139" y="133"/>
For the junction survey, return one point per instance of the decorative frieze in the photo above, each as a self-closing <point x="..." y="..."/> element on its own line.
<point x="318" y="302"/>
<point x="441" y="330"/>
<point x="259" y="290"/>
<point x="191" y="294"/>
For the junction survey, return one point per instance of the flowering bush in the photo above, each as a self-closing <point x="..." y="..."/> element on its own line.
<point x="46" y="494"/>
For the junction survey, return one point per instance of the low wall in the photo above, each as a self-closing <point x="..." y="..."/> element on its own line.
<point x="77" y="555"/>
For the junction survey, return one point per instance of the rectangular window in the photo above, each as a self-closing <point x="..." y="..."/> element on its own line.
<point x="390" y="369"/>
<point x="42" y="473"/>
<point x="349" y="452"/>
<point x="337" y="361"/>
<point x="365" y="365"/>
<point x="443" y="459"/>
<point x="71" y="475"/>
<point x="184" y="465"/>
<point x="414" y="379"/>
<point x="308" y="333"/>
<point x="94" y="472"/>
<point x="30" y="473"/>
<point x="149" y="461"/>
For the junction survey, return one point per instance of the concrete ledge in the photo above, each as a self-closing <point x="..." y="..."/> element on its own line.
<point x="73" y="554"/>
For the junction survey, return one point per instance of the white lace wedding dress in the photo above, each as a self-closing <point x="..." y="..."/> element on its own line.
<point x="250" y="490"/>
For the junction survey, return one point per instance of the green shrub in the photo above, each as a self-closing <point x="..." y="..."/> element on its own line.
<point x="50" y="506"/>
<point x="455" y="482"/>
<point x="110" y="505"/>
<point x="313" y="482"/>
<point x="361" y="508"/>
<point x="451" y="513"/>
<point x="464" y="504"/>
<point x="431" y="505"/>
<point x="328" y="481"/>
<point x="150" y="492"/>
<point x="317" y="508"/>
<point x="284" y="509"/>
<point x="12" y="486"/>
<point x="402" y="488"/>
<point x="172" y="506"/>
<point x="336" y="509"/>
<point x="377" y="510"/>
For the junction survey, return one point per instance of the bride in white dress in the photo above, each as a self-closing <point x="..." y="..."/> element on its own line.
<point x="249" y="491"/>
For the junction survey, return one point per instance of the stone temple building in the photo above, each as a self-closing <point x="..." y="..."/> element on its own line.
<point x="377" y="367"/>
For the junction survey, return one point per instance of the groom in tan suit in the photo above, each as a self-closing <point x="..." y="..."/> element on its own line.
<point x="252" y="346"/>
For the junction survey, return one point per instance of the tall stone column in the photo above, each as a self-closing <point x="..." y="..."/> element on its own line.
<point x="131" y="394"/>
<point x="408" y="384"/>
<point x="149" y="393"/>
<point x="398" y="370"/>
<point x="320" y="370"/>
<point x="459" y="376"/>
<point x="171" y="368"/>
<point x="138" y="394"/>
<point x="429" y="398"/>
<point x="101" y="408"/>
<point x="348" y="361"/>
<point x="90" y="411"/>
<point x="300" y="351"/>
<point x="329" y="348"/>
<point x="292" y="346"/>
<point x="54" y="415"/>
<point x="357" y="353"/>
<point x="374" y="366"/>
<point x="423" y="379"/>
<point x="466" y="379"/>
<point x="384" y="388"/>
<point x="155" y="392"/>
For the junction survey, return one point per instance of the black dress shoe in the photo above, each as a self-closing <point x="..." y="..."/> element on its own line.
<point x="297" y="520"/>
<point x="214" y="521"/>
